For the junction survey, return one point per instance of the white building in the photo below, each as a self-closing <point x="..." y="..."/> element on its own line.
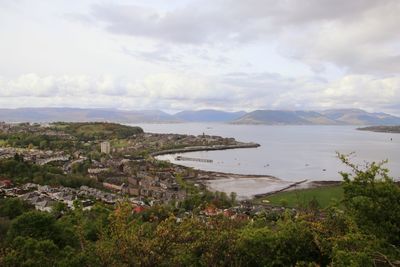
<point x="105" y="147"/>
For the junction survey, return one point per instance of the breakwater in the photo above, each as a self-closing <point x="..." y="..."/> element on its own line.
<point x="193" y="159"/>
<point x="280" y="190"/>
<point x="204" y="148"/>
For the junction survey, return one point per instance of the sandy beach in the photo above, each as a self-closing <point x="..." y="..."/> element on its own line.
<point x="245" y="186"/>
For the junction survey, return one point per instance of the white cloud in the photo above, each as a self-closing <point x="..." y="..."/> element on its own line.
<point x="236" y="91"/>
<point x="363" y="91"/>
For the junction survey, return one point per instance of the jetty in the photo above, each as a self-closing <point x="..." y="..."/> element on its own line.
<point x="280" y="190"/>
<point x="193" y="159"/>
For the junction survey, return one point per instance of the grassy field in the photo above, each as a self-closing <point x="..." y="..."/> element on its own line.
<point x="325" y="196"/>
<point x="119" y="143"/>
<point x="3" y="143"/>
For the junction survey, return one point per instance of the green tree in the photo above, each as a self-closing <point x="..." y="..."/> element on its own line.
<point x="35" y="224"/>
<point x="290" y="243"/>
<point x="13" y="207"/>
<point x="26" y="251"/>
<point x="373" y="198"/>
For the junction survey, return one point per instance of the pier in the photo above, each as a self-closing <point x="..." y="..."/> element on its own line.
<point x="180" y="158"/>
<point x="280" y="190"/>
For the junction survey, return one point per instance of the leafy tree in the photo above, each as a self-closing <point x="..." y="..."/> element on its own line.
<point x="33" y="224"/>
<point x="38" y="225"/>
<point x="289" y="244"/>
<point x="373" y="198"/>
<point x="26" y="251"/>
<point x="13" y="207"/>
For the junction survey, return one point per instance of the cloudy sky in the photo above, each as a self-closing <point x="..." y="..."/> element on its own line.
<point x="193" y="54"/>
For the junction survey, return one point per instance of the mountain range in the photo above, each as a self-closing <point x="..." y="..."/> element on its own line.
<point x="325" y="117"/>
<point x="268" y="117"/>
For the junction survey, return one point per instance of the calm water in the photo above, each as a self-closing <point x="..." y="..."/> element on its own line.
<point x="289" y="152"/>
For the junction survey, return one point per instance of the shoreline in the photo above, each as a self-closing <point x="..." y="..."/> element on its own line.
<point x="250" y="187"/>
<point x="389" y="129"/>
<point x="301" y="185"/>
<point x="206" y="178"/>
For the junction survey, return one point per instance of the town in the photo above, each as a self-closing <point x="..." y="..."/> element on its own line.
<point x="116" y="162"/>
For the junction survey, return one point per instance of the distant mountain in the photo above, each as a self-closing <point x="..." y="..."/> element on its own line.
<point x="78" y="115"/>
<point x="208" y="115"/>
<point x="326" y="117"/>
<point x="272" y="117"/>
<point x="360" y="117"/>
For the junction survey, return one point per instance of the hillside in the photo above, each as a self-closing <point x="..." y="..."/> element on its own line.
<point x="269" y="117"/>
<point x="208" y="115"/>
<point x="360" y="117"/>
<point x="326" y="117"/>
<point x="82" y="115"/>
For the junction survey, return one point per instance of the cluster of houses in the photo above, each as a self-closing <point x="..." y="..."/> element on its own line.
<point x="5" y="127"/>
<point x="140" y="178"/>
<point x="37" y="156"/>
<point x="244" y="211"/>
<point x="45" y="197"/>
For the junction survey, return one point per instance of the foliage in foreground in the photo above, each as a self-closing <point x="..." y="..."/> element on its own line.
<point x="363" y="231"/>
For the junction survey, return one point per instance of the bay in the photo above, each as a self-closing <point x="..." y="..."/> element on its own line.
<point x="290" y="153"/>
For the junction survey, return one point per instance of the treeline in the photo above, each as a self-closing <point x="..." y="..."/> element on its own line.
<point x="40" y="141"/>
<point x="363" y="230"/>
<point x="90" y="131"/>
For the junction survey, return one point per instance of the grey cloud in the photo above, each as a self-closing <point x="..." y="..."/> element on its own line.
<point x="316" y="32"/>
<point x="217" y="20"/>
<point x="183" y="26"/>
<point x="10" y="4"/>
<point x="160" y="54"/>
<point x="260" y="83"/>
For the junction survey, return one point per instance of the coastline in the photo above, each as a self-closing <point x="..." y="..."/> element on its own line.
<point x="262" y="185"/>
<point x="393" y="129"/>
<point x="219" y="181"/>
<point x="301" y="185"/>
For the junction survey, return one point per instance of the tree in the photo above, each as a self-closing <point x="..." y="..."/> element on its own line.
<point x="290" y="243"/>
<point x="13" y="207"/>
<point x="373" y="198"/>
<point x="26" y="251"/>
<point x="34" y="224"/>
<point x="233" y="197"/>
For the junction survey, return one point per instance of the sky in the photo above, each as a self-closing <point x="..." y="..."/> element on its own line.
<point x="175" y="55"/>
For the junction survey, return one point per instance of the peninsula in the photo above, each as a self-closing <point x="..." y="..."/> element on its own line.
<point x="381" y="129"/>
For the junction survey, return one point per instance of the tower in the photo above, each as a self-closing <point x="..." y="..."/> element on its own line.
<point x="105" y="147"/>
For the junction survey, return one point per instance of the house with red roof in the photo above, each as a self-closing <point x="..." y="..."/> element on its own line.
<point x="5" y="183"/>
